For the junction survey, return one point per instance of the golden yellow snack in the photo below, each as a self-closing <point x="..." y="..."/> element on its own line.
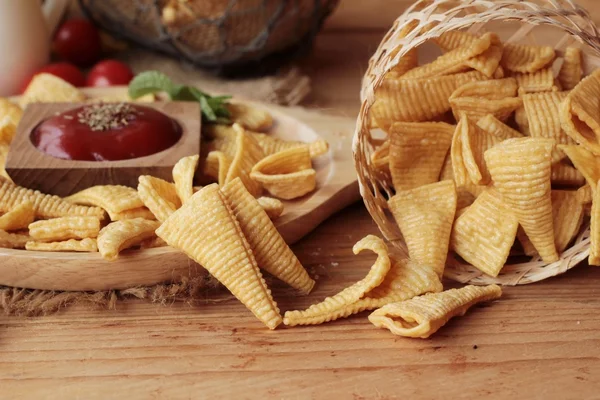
<point x="4" y="147"/>
<point x="417" y="152"/>
<point x="522" y="121"/>
<point x="475" y="142"/>
<point x="319" y="313"/>
<point x="159" y="196"/>
<point x="580" y="113"/>
<point x="407" y="62"/>
<point x="152" y="242"/>
<point x="586" y="163"/>
<point x="422" y="316"/>
<point x="270" y="250"/>
<point x="208" y="232"/>
<point x="273" y="207"/>
<point x="216" y="165"/>
<point x="539" y="81"/>
<point x="87" y="245"/>
<point x="528" y="247"/>
<point x="526" y="58"/>
<point x="380" y="158"/>
<point x="13" y="240"/>
<point x="585" y="194"/>
<point x="287" y="174"/>
<point x="18" y="218"/>
<point x="247" y="154"/>
<point x="183" y="176"/>
<point x="488" y="62"/>
<point x="64" y="228"/>
<point x="10" y="110"/>
<point x="7" y="130"/>
<point x="140" y="212"/>
<point x="112" y="198"/>
<point x="417" y="100"/>
<point x="496" y="89"/>
<point x="46" y="206"/>
<point x="493" y="125"/>
<point x="118" y="236"/>
<point x="571" y="71"/>
<point x="594" y="258"/>
<point x="567" y="211"/>
<point x="566" y="175"/>
<point x="447" y="172"/>
<point x="452" y="61"/>
<point x="521" y="171"/>
<point x="250" y="117"/>
<point x="476" y="107"/>
<point x="484" y="234"/>
<point x="425" y="216"/>
<point x="404" y="280"/>
<point x="454" y="39"/>
<point x="543" y="114"/>
<point x="47" y="88"/>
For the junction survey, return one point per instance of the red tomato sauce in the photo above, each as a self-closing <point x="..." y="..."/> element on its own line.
<point x="106" y="132"/>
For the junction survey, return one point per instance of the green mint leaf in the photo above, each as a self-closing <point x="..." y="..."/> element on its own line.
<point x="151" y="82"/>
<point x="207" y="110"/>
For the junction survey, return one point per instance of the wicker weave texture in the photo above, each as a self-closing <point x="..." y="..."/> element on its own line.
<point x="516" y="22"/>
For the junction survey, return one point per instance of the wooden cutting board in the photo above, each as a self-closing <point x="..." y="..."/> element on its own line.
<point x="336" y="188"/>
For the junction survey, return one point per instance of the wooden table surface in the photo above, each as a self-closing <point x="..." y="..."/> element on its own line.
<point x="539" y="341"/>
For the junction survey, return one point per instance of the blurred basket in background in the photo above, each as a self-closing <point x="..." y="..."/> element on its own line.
<point x="213" y="33"/>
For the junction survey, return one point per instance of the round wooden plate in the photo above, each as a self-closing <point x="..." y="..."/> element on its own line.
<point x="336" y="188"/>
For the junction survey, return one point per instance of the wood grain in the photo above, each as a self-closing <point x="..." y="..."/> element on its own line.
<point x="33" y="169"/>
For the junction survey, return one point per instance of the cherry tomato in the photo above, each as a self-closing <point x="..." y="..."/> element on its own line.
<point x="64" y="70"/>
<point x="78" y="41"/>
<point x="109" y="73"/>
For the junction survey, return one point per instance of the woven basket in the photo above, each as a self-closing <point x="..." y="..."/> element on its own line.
<point x="563" y="24"/>
<point x="212" y="33"/>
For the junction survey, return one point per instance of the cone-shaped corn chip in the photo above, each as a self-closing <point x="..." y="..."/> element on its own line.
<point x="47" y="88"/>
<point x="454" y="39"/>
<point x="273" y="207"/>
<point x="543" y="114"/>
<point x="46" y="206"/>
<point x="118" y="236"/>
<point x="7" y="130"/>
<point x="112" y="198"/>
<point x="488" y="62"/>
<point x="216" y="165"/>
<point x="497" y="89"/>
<point x="141" y="212"/>
<point x="459" y="170"/>
<point x="521" y="171"/>
<point x="571" y="71"/>
<point x="493" y="125"/>
<point x="287" y="174"/>
<point x="58" y="229"/>
<point x="270" y="250"/>
<point x="380" y="158"/>
<point x="425" y="216"/>
<point x="87" y="245"/>
<point x="3" y="154"/>
<point x="407" y="62"/>
<point x="566" y="175"/>
<point x="13" y="240"/>
<point x="484" y="234"/>
<point x="528" y="247"/>
<point x="250" y="117"/>
<point x="416" y="100"/>
<point x="417" y="152"/>
<point x="422" y="316"/>
<point x="452" y="61"/>
<point x="539" y="81"/>
<point x="247" y="154"/>
<point x="10" y="110"/>
<point x="580" y="113"/>
<point x="526" y="58"/>
<point x="522" y="121"/>
<point x="159" y="196"/>
<point x="183" y="176"/>
<point x="404" y="281"/>
<point x="567" y="211"/>
<point x="594" y="258"/>
<point x="208" y="232"/>
<point x="586" y="163"/>
<point x="585" y="194"/>
<point x="152" y="243"/>
<point x="18" y="218"/>
<point x="328" y="309"/>
<point x="447" y="172"/>
<point x="475" y="142"/>
<point x="476" y="107"/>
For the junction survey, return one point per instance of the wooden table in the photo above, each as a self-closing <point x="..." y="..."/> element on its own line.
<point x="539" y="341"/>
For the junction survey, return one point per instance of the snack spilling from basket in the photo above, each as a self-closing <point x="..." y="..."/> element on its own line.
<point x="490" y="153"/>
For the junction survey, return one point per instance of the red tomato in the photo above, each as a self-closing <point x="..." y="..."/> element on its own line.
<point x="78" y="41"/>
<point x="64" y="70"/>
<point x="109" y="73"/>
